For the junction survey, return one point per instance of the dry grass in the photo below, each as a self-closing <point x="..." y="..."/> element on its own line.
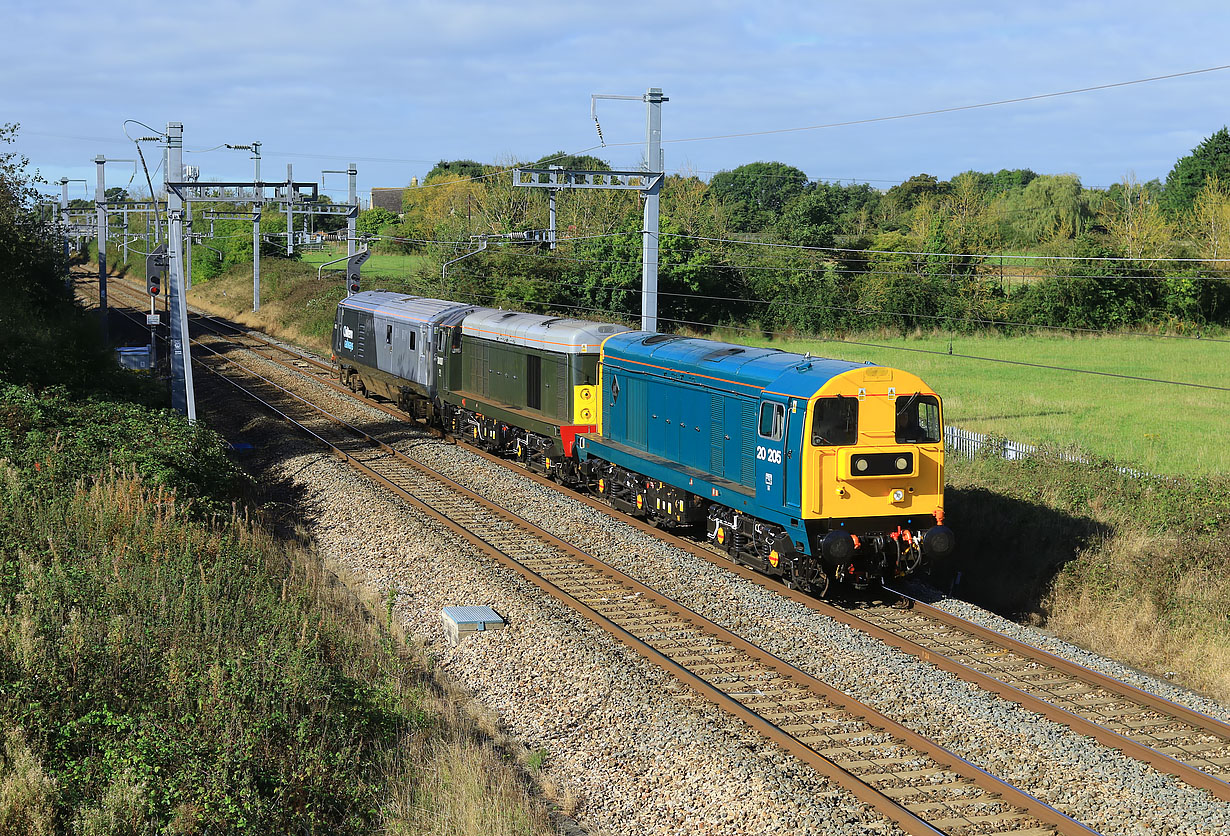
<point x="466" y="774"/>
<point x="1134" y="569"/>
<point x="1133" y="633"/>
<point x="27" y="794"/>
<point x="1183" y="637"/>
<point x="295" y="306"/>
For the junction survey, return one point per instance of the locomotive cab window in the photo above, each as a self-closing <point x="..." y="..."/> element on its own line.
<point x="918" y="419"/>
<point x="456" y="339"/>
<point x="772" y="421"/>
<point x="835" y="422"/>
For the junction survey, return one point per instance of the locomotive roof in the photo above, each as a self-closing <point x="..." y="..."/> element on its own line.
<point x="746" y="369"/>
<point x="551" y="333"/>
<point x="402" y="306"/>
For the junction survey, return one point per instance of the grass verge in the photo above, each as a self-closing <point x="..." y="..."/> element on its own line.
<point x="1133" y="568"/>
<point x="167" y="664"/>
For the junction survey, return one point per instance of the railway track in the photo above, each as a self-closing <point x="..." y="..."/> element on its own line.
<point x="914" y="782"/>
<point x="1170" y="737"/>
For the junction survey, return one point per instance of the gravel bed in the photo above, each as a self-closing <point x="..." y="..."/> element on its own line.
<point x="1057" y="646"/>
<point x="633" y="750"/>
<point x="1101" y="787"/>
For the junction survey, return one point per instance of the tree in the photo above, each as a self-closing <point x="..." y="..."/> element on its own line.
<point x="583" y="162"/>
<point x="757" y="192"/>
<point x="1135" y="223"/>
<point x="1011" y="180"/>
<point x="1209" y="223"/>
<point x="1051" y="206"/>
<point x="1190" y="173"/>
<point x="371" y="221"/>
<point x="457" y="168"/>
<point x="972" y="221"/>
<point x="905" y="196"/>
<point x="813" y="217"/>
<point x="116" y="194"/>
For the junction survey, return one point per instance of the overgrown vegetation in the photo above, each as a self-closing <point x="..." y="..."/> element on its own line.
<point x="166" y="664"/>
<point x="913" y="256"/>
<point x="1132" y="567"/>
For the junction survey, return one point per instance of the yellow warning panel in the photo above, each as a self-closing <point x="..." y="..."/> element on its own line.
<point x="585" y="404"/>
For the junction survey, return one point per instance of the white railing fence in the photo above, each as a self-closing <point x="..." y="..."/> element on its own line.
<point x="969" y="444"/>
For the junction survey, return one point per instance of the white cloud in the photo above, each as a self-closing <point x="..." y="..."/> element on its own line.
<point x="422" y="81"/>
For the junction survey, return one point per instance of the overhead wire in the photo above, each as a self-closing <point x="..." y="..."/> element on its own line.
<point x="937" y="111"/>
<point x="807" y="247"/>
<point x="960" y="356"/>
<point x="905" y="315"/>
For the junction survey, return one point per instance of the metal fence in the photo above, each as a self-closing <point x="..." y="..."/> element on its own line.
<point x="969" y="444"/>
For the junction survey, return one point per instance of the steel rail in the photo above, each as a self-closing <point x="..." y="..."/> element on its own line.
<point x="910" y="822"/>
<point x="1187" y="772"/>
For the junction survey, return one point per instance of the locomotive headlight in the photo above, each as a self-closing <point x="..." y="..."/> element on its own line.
<point x="860" y="465"/>
<point x="902" y="463"/>
<point x="898" y="495"/>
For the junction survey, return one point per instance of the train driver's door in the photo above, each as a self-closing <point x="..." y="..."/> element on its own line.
<point x="771" y="452"/>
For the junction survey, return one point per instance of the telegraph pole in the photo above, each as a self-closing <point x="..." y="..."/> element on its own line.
<point x="182" y="396"/>
<point x="100" y="203"/>
<point x="257" y="193"/>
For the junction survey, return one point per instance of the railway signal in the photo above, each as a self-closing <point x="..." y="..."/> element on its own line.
<point x="156" y="264"/>
<point x="353" y="263"/>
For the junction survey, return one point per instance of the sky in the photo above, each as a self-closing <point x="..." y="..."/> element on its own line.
<point x="395" y="87"/>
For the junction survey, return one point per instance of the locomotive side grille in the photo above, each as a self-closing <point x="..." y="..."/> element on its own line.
<point x="717" y="436"/>
<point x="561" y="388"/>
<point x="748" y="422"/>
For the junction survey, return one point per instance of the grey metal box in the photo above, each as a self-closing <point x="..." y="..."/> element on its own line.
<point x="460" y="622"/>
<point x="133" y="358"/>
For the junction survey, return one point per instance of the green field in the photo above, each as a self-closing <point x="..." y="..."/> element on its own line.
<point x="378" y="266"/>
<point x="1157" y="427"/>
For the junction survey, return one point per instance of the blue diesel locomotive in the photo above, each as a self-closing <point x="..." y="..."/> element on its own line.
<point x="809" y="469"/>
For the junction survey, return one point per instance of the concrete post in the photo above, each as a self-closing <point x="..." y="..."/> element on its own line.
<point x="290" y="212"/>
<point x="100" y="199"/>
<point x="258" y="192"/>
<point x="654" y="164"/>
<point x="352" y="177"/>
<point x="182" y="395"/>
